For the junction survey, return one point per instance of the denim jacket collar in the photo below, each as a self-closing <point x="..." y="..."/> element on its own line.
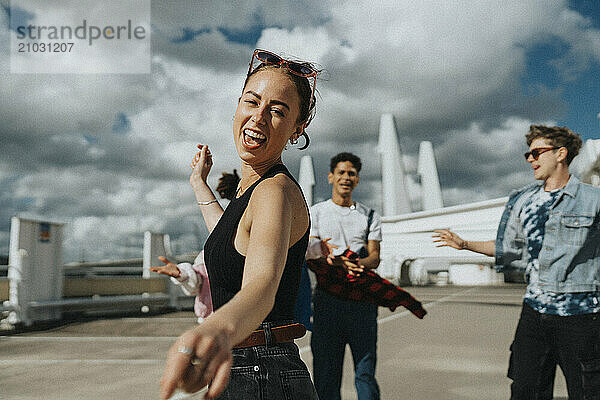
<point x="572" y="186"/>
<point x="570" y="189"/>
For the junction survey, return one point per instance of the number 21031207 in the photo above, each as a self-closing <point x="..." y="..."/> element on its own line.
<point x="45" y="47"/>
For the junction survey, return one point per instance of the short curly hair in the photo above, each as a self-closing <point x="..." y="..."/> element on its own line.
<point x="342" y="157"/>
<point x="559" y="136"/>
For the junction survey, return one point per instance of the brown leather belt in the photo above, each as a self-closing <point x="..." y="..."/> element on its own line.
<point x="281" y="334"/>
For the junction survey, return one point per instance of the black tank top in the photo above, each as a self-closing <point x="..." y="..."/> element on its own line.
<point x="225" y="266"/>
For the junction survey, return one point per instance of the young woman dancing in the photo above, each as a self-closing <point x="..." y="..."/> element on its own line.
<point x="255" y="250"/>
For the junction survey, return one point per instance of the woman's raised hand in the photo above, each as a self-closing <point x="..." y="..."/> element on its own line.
<point x="169" y="268"/>
<point x="200" y="356"/>
<point x="201" y="165"/>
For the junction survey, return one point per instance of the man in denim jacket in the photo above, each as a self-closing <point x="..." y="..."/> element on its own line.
<point x="551" y="230"/>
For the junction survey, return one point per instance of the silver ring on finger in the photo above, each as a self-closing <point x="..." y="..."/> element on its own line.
<point x="188" y="351"/>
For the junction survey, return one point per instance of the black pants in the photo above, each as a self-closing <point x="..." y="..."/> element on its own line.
<point x="337" y="323"/>
<point x="269" y="372"/>
<point x="542" y="340"/>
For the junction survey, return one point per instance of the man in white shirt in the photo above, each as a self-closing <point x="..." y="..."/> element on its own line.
<point x="337" y="225"/>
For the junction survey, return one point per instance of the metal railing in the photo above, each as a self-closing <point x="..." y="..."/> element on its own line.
<point x="94" y="270"/>
<point x="102" y="271"/>
<point x="79" y="277"/>
<point x="103" y="302"/>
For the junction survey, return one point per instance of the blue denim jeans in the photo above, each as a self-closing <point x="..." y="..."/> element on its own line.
<point x="268" y="372"/>
<point x="337" y="323"/>
<point x="541" y="340"/>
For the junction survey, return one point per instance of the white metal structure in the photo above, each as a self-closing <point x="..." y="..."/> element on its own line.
<point x="36" y="275"/>
<point x="587" y="164"/>
<point x="430" y="183"/>
<point x="155" y="245"/>
<point x="393" y="179"/>
<point x="35" y="268"/>
<point x="306" y="178"/>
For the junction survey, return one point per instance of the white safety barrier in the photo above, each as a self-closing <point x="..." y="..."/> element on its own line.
<point x="35" y="268"/>
<point x="36" y="274"/>
<point x="408" y="253"/>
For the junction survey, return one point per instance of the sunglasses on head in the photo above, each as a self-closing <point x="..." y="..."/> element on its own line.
<point x="297" y="68"/>
<point x="535" y="153"/>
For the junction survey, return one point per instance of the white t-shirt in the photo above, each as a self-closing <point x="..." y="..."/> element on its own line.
<point x="346" y="226"/>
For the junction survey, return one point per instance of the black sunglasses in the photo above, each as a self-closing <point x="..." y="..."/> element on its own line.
<point x="535" y="153"/>
<point x="300" y="69"/>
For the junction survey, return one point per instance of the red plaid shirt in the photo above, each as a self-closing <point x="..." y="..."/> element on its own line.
<point x="366" y="287"/>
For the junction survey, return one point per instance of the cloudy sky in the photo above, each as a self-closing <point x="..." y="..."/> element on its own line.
<point x="109" y="153"/>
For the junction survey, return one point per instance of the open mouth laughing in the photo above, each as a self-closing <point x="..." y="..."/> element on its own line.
<point x="252" y="139"/>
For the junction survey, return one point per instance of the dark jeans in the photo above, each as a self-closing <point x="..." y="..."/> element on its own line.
<point x="337" y="323"/>
<point x="303" y="309"/>
<point x="272" y="371"/>
<point x="541" y="340"/>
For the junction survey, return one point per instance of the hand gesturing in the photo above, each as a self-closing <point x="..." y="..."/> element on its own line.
<point x="201" y="165"/>
<point x="448" y="238"/>
<point x="200" y="356"/>
<point x="169" y="269"/>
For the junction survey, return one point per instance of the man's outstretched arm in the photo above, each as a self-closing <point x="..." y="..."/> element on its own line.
<point x="448" y="238"/>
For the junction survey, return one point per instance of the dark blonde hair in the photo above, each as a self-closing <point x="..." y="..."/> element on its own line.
<point x="303" y="88"/>
<point x="557" y="136"/>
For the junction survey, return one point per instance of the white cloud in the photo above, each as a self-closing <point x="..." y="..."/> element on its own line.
<point x="449" y="71"/>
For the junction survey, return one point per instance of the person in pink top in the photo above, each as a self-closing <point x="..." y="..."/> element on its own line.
<point x="193" y="278"/>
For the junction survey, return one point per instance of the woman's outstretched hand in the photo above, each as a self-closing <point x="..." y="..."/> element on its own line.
<point x="199" y="357"/>
<point x="169" y="268"/>
<point x="201" y="165"/>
